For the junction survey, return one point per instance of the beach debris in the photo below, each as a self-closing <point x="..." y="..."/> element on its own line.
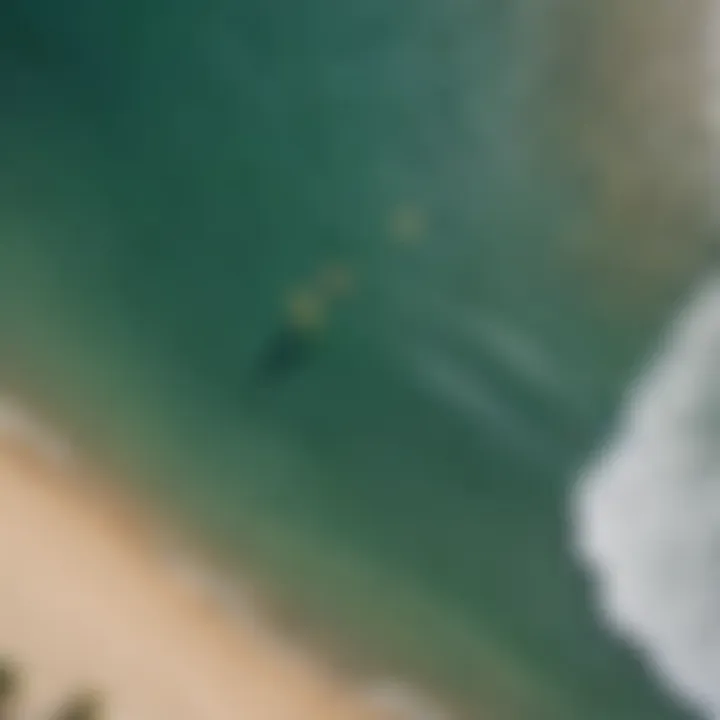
<point x="82" y="706"/>
<point x="9" y="687"/>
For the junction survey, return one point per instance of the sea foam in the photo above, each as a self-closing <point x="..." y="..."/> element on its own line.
<point x="645" y="514"/>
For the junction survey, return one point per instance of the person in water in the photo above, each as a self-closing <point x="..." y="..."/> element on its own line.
<point x="304" y="322"/>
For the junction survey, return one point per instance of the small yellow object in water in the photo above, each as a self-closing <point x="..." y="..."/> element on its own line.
<point x="337" y="280"/>
<point x="408" y="224"/>
<point x="306" y="309"/>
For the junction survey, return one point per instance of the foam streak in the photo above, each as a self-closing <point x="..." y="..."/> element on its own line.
<point x="646" y="512"/>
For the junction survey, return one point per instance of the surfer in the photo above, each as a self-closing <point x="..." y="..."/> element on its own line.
<point x="303" y="325"/>
<point x="294" y="341"/>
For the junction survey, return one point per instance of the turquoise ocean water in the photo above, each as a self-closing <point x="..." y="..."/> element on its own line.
<point x="170" y="170"/>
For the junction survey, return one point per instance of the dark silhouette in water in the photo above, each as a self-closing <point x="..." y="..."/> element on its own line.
<point x="285" y="353"/>
<point x="291" y="347"/>
<point x="83" y="706"/>
<point x="9" y="684"/>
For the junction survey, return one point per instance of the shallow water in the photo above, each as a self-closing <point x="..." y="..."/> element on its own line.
<point x="172" y="171"/>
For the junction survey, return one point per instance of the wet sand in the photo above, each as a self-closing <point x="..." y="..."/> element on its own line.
<point x="88" y="603"/>
<point x="629" y="97"/>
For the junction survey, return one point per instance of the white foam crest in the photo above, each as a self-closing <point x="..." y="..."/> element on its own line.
<point x="645" y="514"/>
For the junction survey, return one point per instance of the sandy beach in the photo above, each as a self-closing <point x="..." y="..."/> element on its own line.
<point x="88" y="603"/>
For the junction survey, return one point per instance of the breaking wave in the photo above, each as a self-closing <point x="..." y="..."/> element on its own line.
<point x="645" y="514"/>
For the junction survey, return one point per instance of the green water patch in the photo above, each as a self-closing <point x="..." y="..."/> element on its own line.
<point x="108" y="395"/>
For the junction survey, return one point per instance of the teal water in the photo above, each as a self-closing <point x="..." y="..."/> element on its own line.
<point x="171" y="170"/>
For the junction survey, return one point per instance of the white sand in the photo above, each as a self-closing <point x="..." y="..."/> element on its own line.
<point x="85" y="602"/>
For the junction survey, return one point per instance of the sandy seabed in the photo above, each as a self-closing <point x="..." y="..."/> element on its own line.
<point x="88" y="603"/>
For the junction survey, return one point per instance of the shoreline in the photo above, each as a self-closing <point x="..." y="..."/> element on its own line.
<point x="131" y="574"/>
